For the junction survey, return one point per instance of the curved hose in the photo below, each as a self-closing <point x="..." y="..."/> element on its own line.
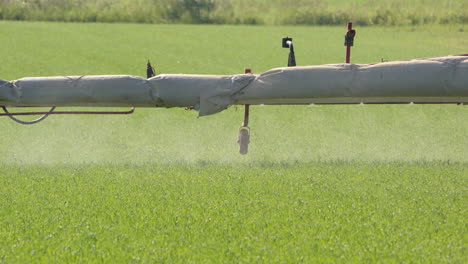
<point x="28" y="122"/>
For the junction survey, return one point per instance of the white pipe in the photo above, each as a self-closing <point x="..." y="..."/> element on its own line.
<point x="431" y="80"/>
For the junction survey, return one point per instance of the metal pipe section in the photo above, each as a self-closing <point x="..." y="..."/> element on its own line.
<point x="430" y="80"/>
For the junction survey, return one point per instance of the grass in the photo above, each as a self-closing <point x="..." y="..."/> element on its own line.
<point x="308" y="212"/>
<point x="320" y="184"/>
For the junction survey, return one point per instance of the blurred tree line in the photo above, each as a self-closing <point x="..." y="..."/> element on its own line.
<point x="271" y="12"/>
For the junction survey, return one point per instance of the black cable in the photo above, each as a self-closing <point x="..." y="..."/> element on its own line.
<point x="28" y="122"/>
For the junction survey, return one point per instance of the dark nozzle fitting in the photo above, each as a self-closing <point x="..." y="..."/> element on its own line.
<point x="349" y="37"/>
<point x="149" y="70"/>
<point x="286" y="42"/>
<point x="244" y="139"/>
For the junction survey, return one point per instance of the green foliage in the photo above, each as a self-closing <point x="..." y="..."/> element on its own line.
<point x="189" y="11"/>
<point x="273" y="12"/>
<point x="320" y="212"/>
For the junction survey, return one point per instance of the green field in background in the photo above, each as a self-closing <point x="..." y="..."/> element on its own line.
<point x="320" y="184"/>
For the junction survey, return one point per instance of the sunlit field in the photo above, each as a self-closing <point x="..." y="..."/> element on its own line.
<point x="342" y="184"/>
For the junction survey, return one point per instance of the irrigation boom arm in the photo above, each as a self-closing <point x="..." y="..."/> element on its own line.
<point x="431" y="80"/>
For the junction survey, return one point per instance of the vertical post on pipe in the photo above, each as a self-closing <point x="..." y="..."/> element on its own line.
<point x="349" y="41"/>
<point x="246" y="115"/>
<point x="287" y="43"/>
<point x="243" y="137"/>
<point x="247" y="106"/>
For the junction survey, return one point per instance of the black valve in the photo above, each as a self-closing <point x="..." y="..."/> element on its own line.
<point x="349" y="37"/>
<point x="286" y="42"/>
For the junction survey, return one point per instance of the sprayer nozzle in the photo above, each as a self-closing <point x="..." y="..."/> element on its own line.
<point x="287" y="42"/>
<point x="149" y="70"/>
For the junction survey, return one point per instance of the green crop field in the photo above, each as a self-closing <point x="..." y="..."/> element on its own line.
<point x="347" y="184"/>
